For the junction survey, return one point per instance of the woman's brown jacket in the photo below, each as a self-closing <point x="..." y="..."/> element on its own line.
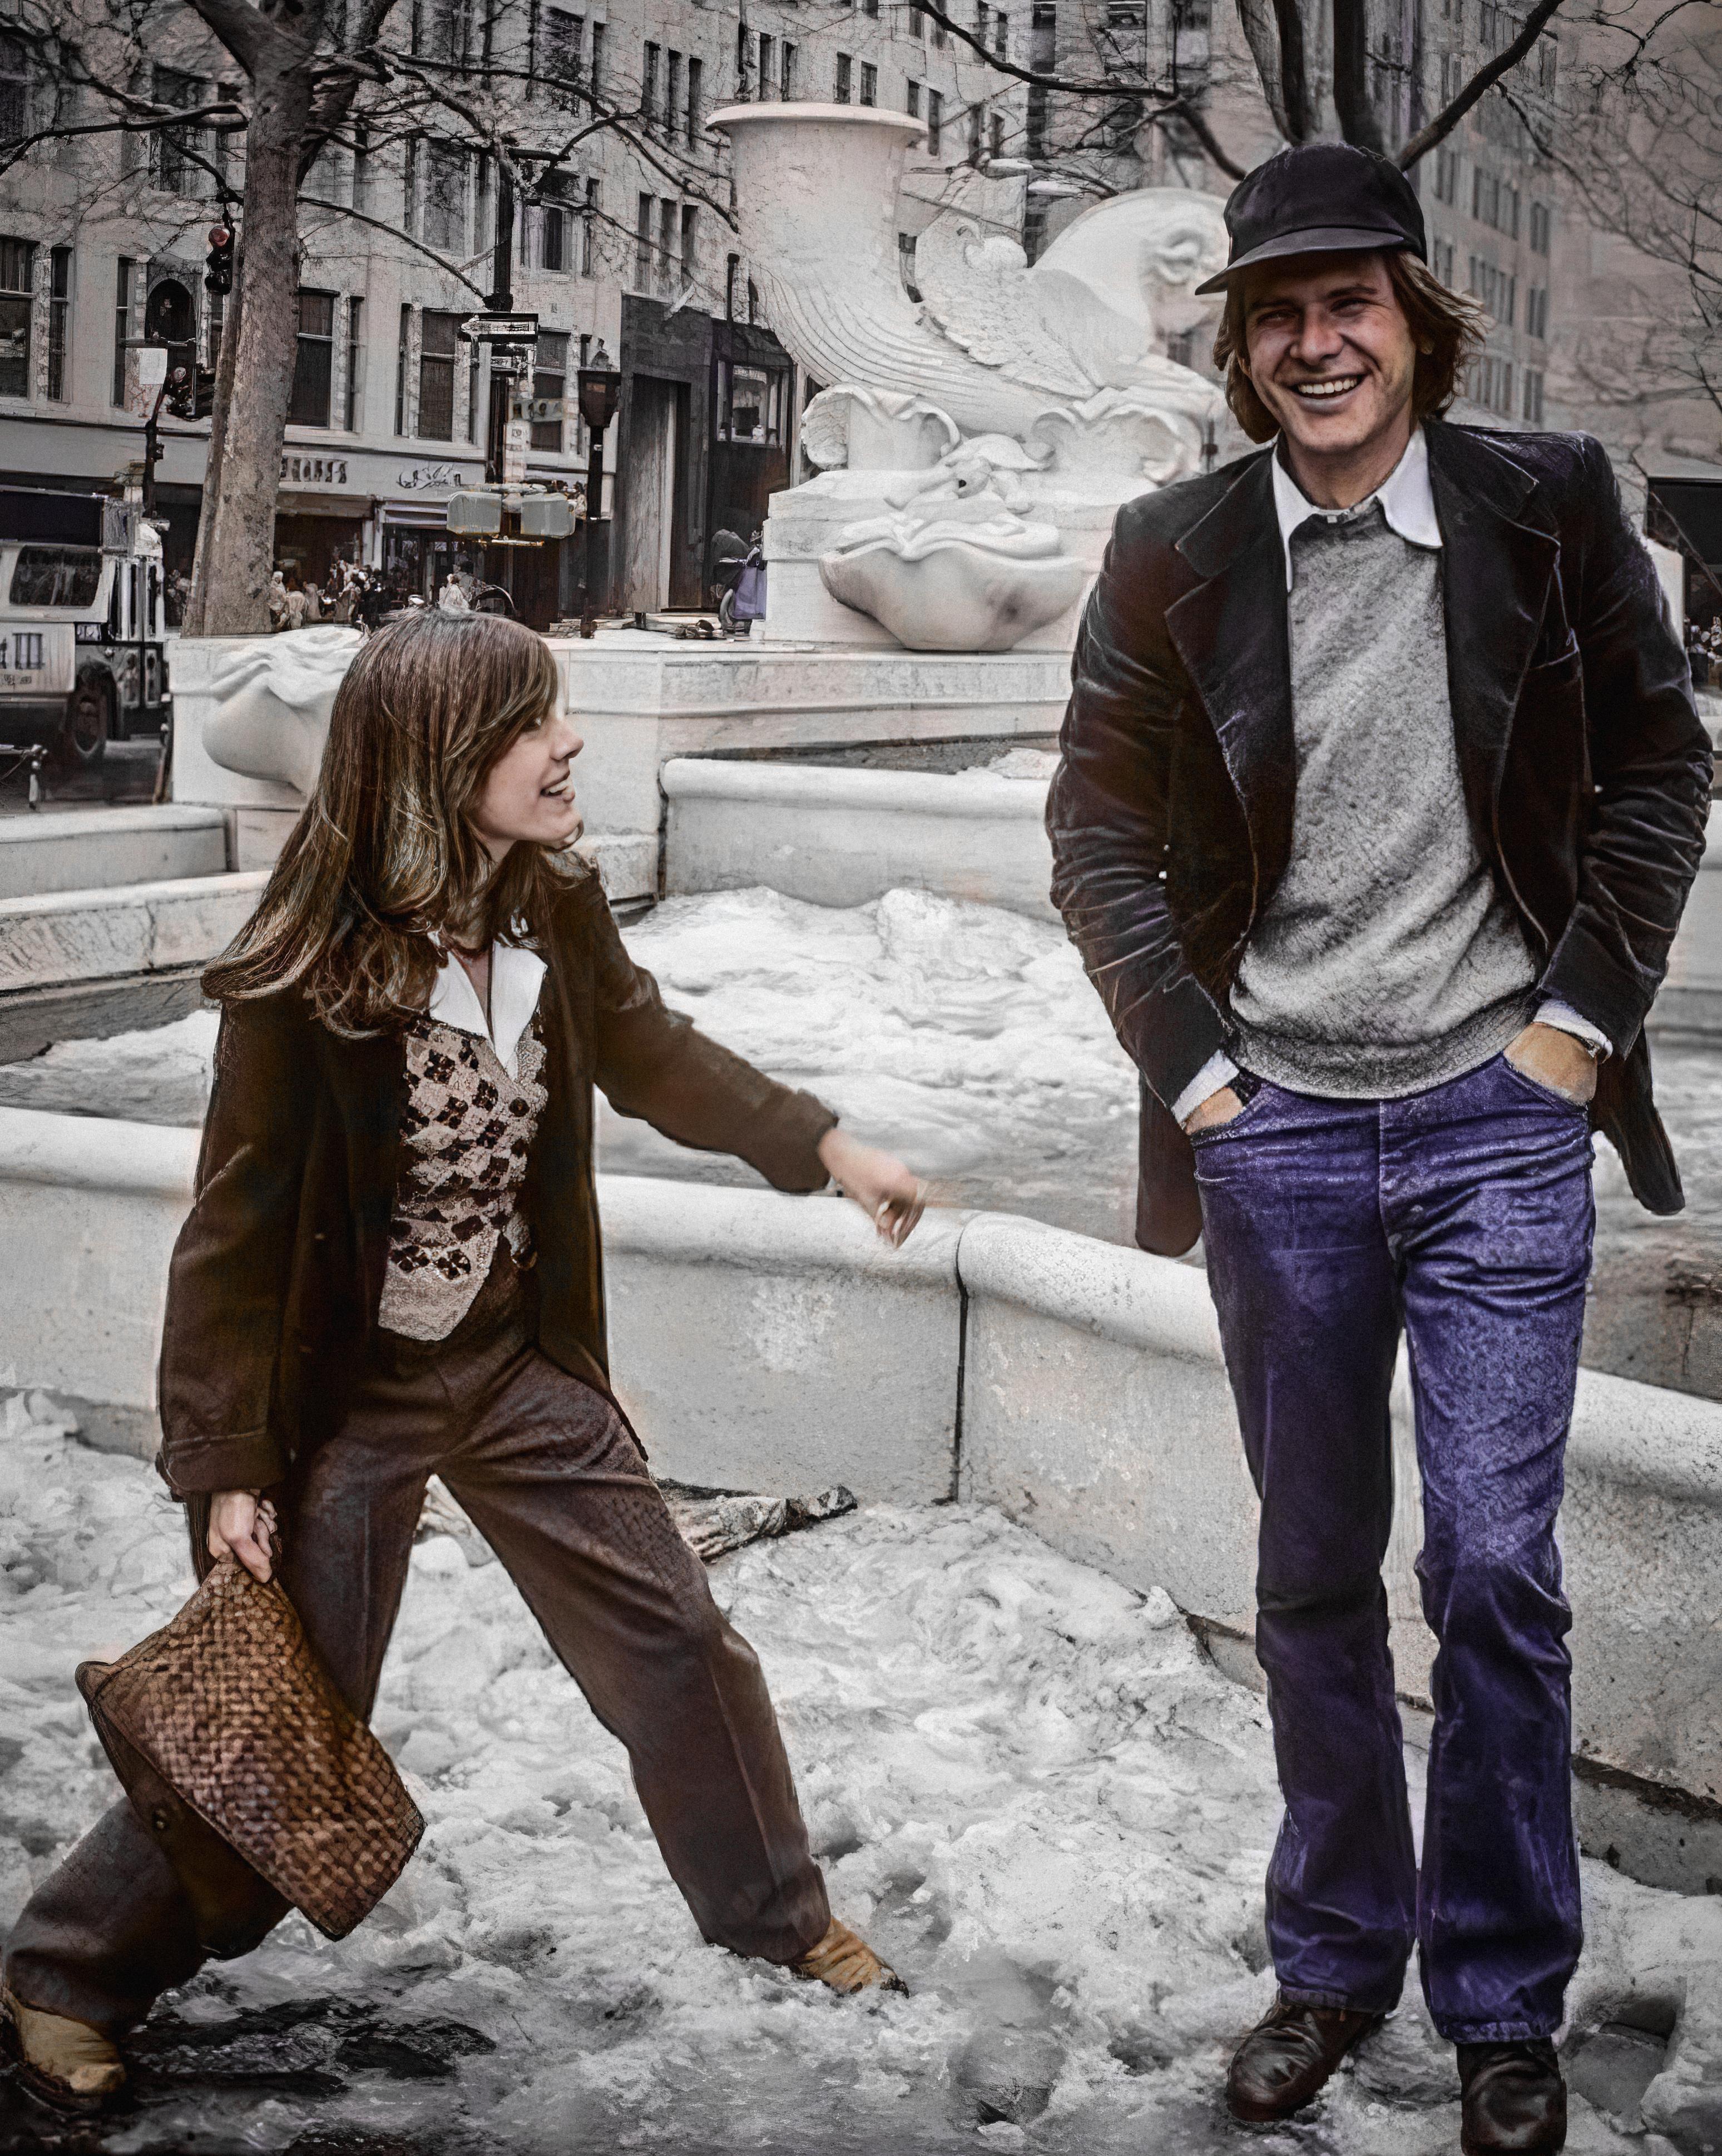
<point x="275" y="1279"/>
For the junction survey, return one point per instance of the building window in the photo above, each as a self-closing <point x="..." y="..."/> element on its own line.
<point x="353" y="417"/>
<point x="59" y="324"/>
<point x="977" y="125"/>
<point x="588" y="228"/>
<point x="438" y="344"/>
<point x="443" y="222"/>
<point x="870" y="8"/>
<point x="917" y="21"/>
<point x="594" y="67"/>
<point x="14" y="89"/>
<point x="846" y="72"/>
<point x="689" y="241"/>
<point x="122" y="324"/>
<point x="751" y="402"/>
<point x="402" y="357"/>
<point x="642" y="245"/>
<point x="442" y="30"/>
<point x="696" y="100"/>
<point x="563" y="36"/>
<point x="913" y="104"/>
<point x="550" y="372"/>
<point x="869" y="83"/>
<point x="1492" y="383"/>
<point x="995" y="123"/>
<point x="1536" y="311"/>
<point x="550" y="218"/>
<point x="1540" y="223"/>
<point x="786" y="72"/>
<point x="1533" y="395"/>
<point x="668" y="222"/>
<point x="1444" y="254"/>
<point x="673" y="92"/>
<point x="744" y="61"/>
<point x="1001" y="34"/>
<point x="649" y="87"/>
<point x="767" y="61"/>
<point x="181" y="153"/>
<point x="17" y="277"/>
<point x="1446" y="174"/>
<point x="935" y="121"/>
<point x="906" y="263"/>
<point x="314" y="367"/>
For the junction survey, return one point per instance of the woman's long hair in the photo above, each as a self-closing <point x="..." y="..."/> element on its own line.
<point x="1447" y="325"/>
<point x="384" y="858"/>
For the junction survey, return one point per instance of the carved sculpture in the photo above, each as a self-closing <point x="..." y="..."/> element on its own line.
<point x="1062" y="360"/>
<point x="272" y="701"/>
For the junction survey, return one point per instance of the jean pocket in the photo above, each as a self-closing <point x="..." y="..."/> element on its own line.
<point x="1539" y="1092"/>
<point x="1248" y="1113"/>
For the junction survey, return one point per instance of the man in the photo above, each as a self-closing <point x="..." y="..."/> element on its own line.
<point x="1381" y="791"/>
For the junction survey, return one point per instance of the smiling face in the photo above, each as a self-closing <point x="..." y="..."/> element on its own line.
<point x="1330" y="353"/>
<point x="528" y="797"/>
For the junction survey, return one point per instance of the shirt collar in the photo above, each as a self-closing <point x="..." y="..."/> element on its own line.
<point x="516" y="976"/>
<point x="1407" y="500"/>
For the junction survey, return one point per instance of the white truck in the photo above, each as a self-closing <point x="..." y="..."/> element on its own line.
<point x="83" y="616"/>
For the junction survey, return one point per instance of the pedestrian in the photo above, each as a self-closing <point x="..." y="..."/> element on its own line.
<point x="313" y="603"/>
<point x="392" y="1269"/>
<point x="277" y="599"/>
<point x="295" y="604"/>
<point x="453" y="597"/>
<point x="1381" y="791"/>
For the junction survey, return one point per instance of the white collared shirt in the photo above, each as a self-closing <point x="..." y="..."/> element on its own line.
<point x="517" y="977"/>
<point x="1406" y="498"/>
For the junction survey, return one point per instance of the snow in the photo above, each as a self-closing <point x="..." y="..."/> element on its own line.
<point x="1027" y="1785"/>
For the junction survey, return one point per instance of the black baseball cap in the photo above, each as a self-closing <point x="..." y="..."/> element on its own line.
<point x="1321" y="198"/>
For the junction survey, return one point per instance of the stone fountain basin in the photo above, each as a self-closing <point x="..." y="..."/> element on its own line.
<point x="954" y="597"/>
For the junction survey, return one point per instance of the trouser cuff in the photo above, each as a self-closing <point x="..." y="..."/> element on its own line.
<point x="1495" y="2032"/>
<point x="1298" y="1994"/>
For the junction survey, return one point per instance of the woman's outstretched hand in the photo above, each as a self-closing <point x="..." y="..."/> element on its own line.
<point x="242" y="1527"/>
<point x="891" y="1197"/>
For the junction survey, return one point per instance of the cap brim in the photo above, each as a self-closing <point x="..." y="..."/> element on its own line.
<point x="1319" y="239"/>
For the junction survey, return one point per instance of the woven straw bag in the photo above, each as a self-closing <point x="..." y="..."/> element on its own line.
<point x="229" y="1705"/>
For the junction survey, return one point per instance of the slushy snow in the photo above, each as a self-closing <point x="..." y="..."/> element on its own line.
<point x="1026" y="1783"/>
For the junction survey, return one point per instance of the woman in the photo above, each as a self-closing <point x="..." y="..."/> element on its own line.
<point x="392" y="1269"/>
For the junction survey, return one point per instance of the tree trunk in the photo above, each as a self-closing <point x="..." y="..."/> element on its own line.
<point x="236" y="540"/>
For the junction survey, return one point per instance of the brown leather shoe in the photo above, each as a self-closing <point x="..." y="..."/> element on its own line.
<point x="1514" y="2098"/>
<point x="847" y="1963"/>
<point x="64" y="2064"/>
<point x="1287" y="2058"/>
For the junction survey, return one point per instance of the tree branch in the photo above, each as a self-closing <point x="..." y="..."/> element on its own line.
<point x="1444" y="122"/>
<point x="395" y="231"/>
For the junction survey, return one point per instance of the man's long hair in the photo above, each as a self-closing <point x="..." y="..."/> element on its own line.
<point x="1447" y="325"/>
<point x="384" y="858"/>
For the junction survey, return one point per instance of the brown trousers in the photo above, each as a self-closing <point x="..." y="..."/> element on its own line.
<point x="555" y="1482"/>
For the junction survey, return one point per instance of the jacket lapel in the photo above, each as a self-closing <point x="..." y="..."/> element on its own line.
<point x="1232" y="633"/>
<point x="1498" y="563"/>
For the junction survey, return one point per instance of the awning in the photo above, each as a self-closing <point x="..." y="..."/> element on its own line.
<point x="425" y="515"/>
<point x="297" y="501"/>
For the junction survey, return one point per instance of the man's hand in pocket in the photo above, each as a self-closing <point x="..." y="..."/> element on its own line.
<point x="1208" y="1114"/>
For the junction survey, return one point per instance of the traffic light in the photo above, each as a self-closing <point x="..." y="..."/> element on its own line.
<point x="191" y="392"/>
<point x="219" y="263"/>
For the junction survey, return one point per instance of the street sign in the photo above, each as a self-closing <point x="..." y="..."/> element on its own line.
<point x="508" y="364"/>
<point x="516" y="440"/>
<point x="152" y="366"/>
<point x="500" y="329"/>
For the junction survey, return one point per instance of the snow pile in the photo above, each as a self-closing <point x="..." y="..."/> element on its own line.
<point x="965" y="1037"/>
<point x="1026" y="1784"/>
<point x="159" y="1076"/>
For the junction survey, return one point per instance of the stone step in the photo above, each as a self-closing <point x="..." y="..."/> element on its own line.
<point x="139" y="928"/>
<point x="96" y="849"/>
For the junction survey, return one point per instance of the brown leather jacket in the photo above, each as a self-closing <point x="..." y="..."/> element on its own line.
<point x="1586" y="773"/>
<point x="275" y="1279"/>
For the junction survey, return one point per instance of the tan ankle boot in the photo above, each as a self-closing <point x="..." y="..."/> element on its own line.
<point x="67" y="2064"/>
<point x="847" y="1963"/>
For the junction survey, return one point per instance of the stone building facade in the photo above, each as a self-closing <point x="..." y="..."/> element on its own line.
<point x="103" y="240"/>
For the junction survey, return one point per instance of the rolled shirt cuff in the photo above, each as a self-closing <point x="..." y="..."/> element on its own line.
<point x="1551" y="1011"/>
<point x="1218" y="1070"/>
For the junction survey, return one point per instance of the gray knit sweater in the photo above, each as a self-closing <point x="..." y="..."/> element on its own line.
<point x="1384" y="961"/>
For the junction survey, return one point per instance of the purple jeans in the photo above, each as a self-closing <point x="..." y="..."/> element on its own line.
<point x="1463" y="1214"/>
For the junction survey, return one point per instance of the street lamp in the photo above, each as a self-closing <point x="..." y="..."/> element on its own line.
<point x="600" y="387"/>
